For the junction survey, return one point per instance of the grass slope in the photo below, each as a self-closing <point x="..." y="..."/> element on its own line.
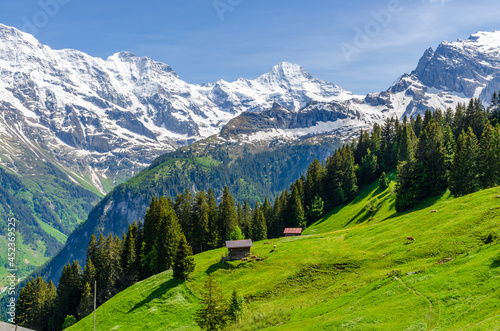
<point x="157" y="303"/>
<point x="353" y="270"/>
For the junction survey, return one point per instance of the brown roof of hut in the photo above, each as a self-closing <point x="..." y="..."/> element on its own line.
<point x="239" y="243"/>
<point x="292" y="231"/>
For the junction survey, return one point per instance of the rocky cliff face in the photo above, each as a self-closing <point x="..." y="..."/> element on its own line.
<point x="453" y="73"/>
<point x="470" y="67"/>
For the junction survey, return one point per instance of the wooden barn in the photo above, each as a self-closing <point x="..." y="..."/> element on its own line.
<point x="238" y="249"/>
<point x="290" y="232"/>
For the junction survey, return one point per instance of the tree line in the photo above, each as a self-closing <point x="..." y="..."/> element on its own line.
<point x="112" y="264"/>
<point x="459" y="151"/>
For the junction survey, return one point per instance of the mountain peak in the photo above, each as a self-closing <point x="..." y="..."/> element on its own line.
<point x="140" y="61"/>
<point x="124" y="55"/>
<point x="287" y="70"/>
<point x="8" y="33"/>
<point x="486" y="38"/>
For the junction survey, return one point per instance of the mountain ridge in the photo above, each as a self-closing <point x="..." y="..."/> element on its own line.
<point x="99" y="122"/>
<point x="103" y="111"/>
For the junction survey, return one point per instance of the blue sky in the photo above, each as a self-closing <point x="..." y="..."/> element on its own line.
<point x="207" y="40"/>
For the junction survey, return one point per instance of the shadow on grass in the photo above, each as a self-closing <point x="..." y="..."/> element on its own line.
<point x="426" y="203"/>
<point x="366" y="215"/>
<point x="496" y="263"/>
<point x="359" y="198"/>
<point x="158" y="293"/>
<point x="216" y="266"/>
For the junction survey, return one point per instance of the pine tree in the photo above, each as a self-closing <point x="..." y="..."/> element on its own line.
<point x="68" y="293"/>
<point x="333" y="180"/>
<point x="138" y="250"/>
<point x="184" y="262"/>
<point x="215" y="239"/>
<point x="407" y="145"/>
<point x="489" y="165"/>
<point x="368" y="167"/>
<point x="296" y="210"/>
<point x="464" y="174"/>
<point x="128" y="258"/>
<point x="89" y="273"/>
<point x="388" y="146"/>
<point x="406" y="186"/>
<point x="383" y="182"/>
<point x="183" y="208"/>
<point x="259" y="227"/>
<point x="212" y="315"/>
<point x="92" y="248"/>
<point x="50" y="302"/>
<point x="167" y="238"/>
<point x="317" y="208"/>
<point x="376" y="141"/>
<point x="246" y="224"/>
<point x="449" y="146"/>
<point x="494" y="110"/>
<point x="24" y="305"/>
<point x="108" y="280"/>
<point x="418" y="127"/>
<point x="459" y="120"/>
<point x="267" y="209"/>
<point x="279" y="211"/>
<point x="299" y="183"/>
<point x="228" y="219"/>
<point x="362" y="146"/>
<point x="448" y="117"/>
<point x="87" y="301"/>
<point x="35" y="304"/>
<point x="239" y="213"/>
<point x="349" y="179"/>
<point x="200" y="222"/>
<point x="151" y="223"/>
<point x="475" y="117"/>
<point x="313" y="181"/>
<point x="427" y="119"/>
<point x="236" y="306"/>
<point x="430" y="156"/>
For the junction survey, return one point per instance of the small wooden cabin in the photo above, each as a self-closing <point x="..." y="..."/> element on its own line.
<point x="290" y="232"/>
<point x="238" y="249"/>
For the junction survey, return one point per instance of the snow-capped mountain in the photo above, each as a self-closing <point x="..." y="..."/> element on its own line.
<point x="455" y="72"/>
<point x="110" y="118"/>
<point x="103" y="120"/>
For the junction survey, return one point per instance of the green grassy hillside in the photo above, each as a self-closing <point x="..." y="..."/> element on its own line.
<point x="352" y="270"/>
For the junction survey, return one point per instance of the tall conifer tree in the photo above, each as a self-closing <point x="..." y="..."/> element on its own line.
<point x="464" y="174"/>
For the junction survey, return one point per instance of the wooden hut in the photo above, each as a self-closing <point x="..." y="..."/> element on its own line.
<point x="290" y="232"/>
<point x="238" y="249"/>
